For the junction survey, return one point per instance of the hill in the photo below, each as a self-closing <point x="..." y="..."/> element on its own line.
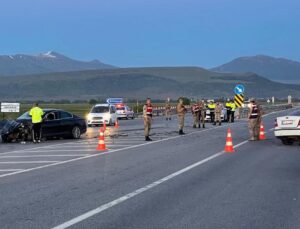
<point x="278" y="69"/>
<point x="21" y="64"/>
<point x="133" y="83"/>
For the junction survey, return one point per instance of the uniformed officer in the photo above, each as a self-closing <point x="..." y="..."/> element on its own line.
<point x="211" y="106"/>
<point x="202" y="107"/>
<point x="218" y="112"/>
<point x="196" y="115"/>
<point x="147" y="114"/>
<point x="181" y="110"/>
<point x="36" y="114"/>
<point x="232" y="112"/>
<point x="168" y="109"/>
<point x="228" y="108"/>
<point x="254" y="119"/>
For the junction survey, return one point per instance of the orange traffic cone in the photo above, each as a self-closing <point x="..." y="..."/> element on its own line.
<point x="116" y="124"/>
<point x="229" y="145"/>
<point x="262" y="135"/>
<point x="101" y="144"/>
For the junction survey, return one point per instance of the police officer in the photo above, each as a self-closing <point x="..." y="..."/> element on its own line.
<point x="218" y="112"/>
<point x="254" y="118"/>
<point x="202" y="107"/>
<point x="147" y="114"/>
<point x="228" y="108"/>
<point x="232" y="112"/>
<point x="211" y="106"/>
<point x="196" y="115"/>
<point x="168" y="109"/>
<point x="181" y="110"/>
<point x="36" y="114"/>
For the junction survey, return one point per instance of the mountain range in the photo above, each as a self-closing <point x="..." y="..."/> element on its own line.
<point x="139" y="83"/>
<point x="277" y="69"/>
<point x="21" y="64"/>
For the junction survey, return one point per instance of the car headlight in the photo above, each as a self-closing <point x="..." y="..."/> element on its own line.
<point x="88" y="116"/>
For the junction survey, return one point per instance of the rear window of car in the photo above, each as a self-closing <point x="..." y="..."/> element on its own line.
<point x="100" y="110"/>
<point x="120" y="108"/>
<point x="295" y="113"/>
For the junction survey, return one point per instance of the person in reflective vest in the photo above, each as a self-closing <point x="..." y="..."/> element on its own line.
<point x="211" y="106"/>
<point x="181" y="110"/>
<point x="168" y="109"/>
<point x="232" y="112"/>
<point x="147" y="114"/>
<point x="36" y="114"/>
<point x="228" y="108"/>
<point x="254" y="120"/>
<point x="196" y="115"/>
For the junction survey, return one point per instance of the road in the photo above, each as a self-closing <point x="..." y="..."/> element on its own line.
<point x="172" y="182"/>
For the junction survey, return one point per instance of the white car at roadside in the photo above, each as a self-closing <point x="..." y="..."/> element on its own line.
<point x="101" y="113"/>
<point x="124" y="111"/>
<point x="287" y="128"/>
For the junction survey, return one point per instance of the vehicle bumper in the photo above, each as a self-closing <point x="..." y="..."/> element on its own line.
<point x="122" y="115"/>
<point x="96" y="122"/>
<point x="287" y="133"/>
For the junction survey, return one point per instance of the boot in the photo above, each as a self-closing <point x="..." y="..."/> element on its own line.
<point x="220" y="124"/>
<point x="194" y="126"/>
<point x="181" y="132"/>
<point x="199" y="126"/>
<point x="203" y="126"/>
<point x="214" y="123"/>
<point x="147" y="138"/>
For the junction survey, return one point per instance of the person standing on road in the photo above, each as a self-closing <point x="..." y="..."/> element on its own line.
<point x="36" y="114"/>
<point x="181" y="110"/>
<point x="211" y="106"/>
<point x="196" y="115"/>
<point x="147" y="114"/>
<point x="228" y="108"/>
<point x="168" y="109"/>
<point x="202" y="107"/>
<point x="218" y="112"/>
<point x="253" y="120"/>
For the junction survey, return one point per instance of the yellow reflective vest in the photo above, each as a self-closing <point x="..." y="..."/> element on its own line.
<point x="36" y="114"/>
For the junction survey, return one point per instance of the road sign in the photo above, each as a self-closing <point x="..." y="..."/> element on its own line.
<point x="239" y="89"/>
<point x="239" y="100"/>
<point x="10" y="107"/>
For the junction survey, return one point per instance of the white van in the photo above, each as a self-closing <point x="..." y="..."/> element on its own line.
<point x="101" y="113"/>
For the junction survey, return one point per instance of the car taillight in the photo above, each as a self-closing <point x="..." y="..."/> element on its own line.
<point x="276" y="123"/>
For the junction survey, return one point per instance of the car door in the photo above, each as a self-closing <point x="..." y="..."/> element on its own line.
<point x="51" y="124"/>
<point x="66" y="122"/>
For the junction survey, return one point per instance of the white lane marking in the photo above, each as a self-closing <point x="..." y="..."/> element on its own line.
<point x="138" y="191"/>
<point x="10" y="170"/>
<point x="111" y="151"/>
<point x="52" y="155"/>
<point x="88" y="146"/>
<point x="27" y="162"/>
<point x="61" y="150"/>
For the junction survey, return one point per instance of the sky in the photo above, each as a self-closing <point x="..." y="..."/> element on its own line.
<point x="136" y="33"/>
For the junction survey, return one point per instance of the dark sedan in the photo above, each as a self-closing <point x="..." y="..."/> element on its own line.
<point x="58" y="123"/>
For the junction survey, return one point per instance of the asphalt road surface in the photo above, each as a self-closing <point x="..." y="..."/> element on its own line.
<point x="172" y="182"/>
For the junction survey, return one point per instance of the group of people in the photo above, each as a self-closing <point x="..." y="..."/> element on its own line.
<point x="199" y="111"/>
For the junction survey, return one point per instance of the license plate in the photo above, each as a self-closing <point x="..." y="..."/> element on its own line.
<point x="287" y="122"/>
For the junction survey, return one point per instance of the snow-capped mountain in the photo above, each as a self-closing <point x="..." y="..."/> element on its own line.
<point x="22" y="64"/>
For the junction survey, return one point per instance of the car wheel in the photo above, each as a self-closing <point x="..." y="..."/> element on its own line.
<point x="76" y="133"/>
<point x="286" y="141"/>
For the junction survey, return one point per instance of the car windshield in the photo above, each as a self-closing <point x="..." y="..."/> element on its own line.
<point x="24" y="116"/>
<point x="296" y="113"/>
<point x="100" y="109"/>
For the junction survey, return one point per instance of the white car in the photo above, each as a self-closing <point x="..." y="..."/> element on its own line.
<point x="287" y="128"/>
<point x="124" y="111"/>
<point x="223" y="115"/>
<point x="101" y="113"/>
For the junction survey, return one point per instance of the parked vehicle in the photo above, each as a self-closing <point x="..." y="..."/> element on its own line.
<point x="124" y="111"/>
<point x="287" y="128"/>
<point x="56" y="123"/>
<point x="101" y="113"/>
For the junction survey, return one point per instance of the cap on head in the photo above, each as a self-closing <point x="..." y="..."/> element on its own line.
<point x="252" y="100"/>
